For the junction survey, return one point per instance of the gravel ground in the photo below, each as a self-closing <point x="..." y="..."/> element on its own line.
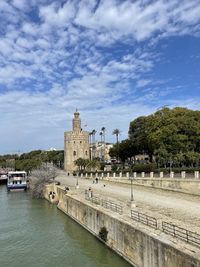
<point x="179" y="208"/>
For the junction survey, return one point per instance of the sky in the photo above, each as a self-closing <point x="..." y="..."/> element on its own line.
<point x="112" y="60"/>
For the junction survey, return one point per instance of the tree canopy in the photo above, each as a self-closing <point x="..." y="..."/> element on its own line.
<point x="31" y="160"/>
<point x="168" y="135"/>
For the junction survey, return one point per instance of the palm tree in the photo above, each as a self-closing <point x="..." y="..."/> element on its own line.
<point x="93" y="135"/>
<point x="116" y="132"/>
<point x="101" y="134"/>
<point x="93" y="143"/>
<point x="93" y="165"/>
<point x="103" y="129"/>
<point x="90" y="137"/>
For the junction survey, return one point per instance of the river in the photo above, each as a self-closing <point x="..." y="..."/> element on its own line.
<point x="34" y="233"/>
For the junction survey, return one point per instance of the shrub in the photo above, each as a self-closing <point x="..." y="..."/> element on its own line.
<point x="144" y="167"/>
<point x="103" y="233"/>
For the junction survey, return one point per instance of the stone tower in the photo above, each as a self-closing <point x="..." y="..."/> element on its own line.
<point x="76" y="144"/>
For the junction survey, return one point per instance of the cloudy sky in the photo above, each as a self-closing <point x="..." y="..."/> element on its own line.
<point x="113" y="60"/>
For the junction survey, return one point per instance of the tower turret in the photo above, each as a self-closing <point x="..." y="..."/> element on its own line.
<point x="76" y="122"/>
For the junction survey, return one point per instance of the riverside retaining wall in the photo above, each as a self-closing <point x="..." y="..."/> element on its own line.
<point x="142" y="247"/>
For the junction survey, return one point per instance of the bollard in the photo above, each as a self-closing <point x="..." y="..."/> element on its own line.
<point x="196" y="174"/>
<point x="114" y="174"/>
<point x="161" y="175"/>
<point x="151" y="174"/>
<point x="102" y="174"/>
<point x="135" y="174"/>
<point x="120" y="174"/>
<point x="142" y="174"/>
<point x="127" y="175"/>
<point x="86" y="175"/>
<point x="183" y="174"/>
<point x="81" y="174"/>
<point x="108" y="174"/>
<point x="91" y="175"/>
<point x="171" y="174"/>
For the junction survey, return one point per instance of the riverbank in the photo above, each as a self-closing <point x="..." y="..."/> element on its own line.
<point x="139" y="244"/>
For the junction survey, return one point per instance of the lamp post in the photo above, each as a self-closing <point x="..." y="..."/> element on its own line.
<point x="77" y="185"/>
<point x="132" y="189"/>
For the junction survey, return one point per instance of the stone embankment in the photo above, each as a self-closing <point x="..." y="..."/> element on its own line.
<point x="140" y="244"/>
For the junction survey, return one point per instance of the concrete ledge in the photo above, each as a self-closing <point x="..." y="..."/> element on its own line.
<point x="138" y="244"/>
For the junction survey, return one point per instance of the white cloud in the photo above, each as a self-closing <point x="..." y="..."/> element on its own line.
<point x="72" y="55"/>
<point x="57" y="16"/>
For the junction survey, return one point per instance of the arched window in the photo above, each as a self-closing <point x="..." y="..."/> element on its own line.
<point x="86" y="153"/>
<point x="74" y="153"/>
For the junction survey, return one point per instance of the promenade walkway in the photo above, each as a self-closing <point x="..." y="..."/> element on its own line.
<point x="178" y="208"/>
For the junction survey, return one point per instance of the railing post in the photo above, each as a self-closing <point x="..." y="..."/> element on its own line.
<point x="174" y="230"/>
<point x="161" y="174"/>
<point x="151" y="174"/>
<point x="196" y="174"/>
<point x="187" y="236"/>
<point x="183" y="174"/>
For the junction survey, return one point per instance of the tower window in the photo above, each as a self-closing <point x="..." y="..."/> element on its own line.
<point x="86" y="153"/>
<point x="74" y="153"/>
<point x="80" y="142"/>
<point x="74" y="142"/>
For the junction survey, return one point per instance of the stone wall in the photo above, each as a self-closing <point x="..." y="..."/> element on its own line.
<point x="140" y="246"/>
<point x="189" y="186"/>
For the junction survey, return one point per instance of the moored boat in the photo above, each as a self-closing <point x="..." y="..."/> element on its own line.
<point x="17" y="180"/>
<point x="3" y="178"/>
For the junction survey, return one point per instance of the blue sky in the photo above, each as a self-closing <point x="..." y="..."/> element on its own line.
<point x="113" y="60"/>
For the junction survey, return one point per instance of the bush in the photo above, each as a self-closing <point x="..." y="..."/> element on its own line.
<point x="144" y="167"/>
<point x="103" y="233"/>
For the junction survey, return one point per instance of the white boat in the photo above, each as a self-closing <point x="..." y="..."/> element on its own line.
<point x="17" y="180"/>
<point x="3" y="178"/>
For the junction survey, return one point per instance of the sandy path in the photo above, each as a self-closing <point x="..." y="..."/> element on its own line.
<point x="180" y="208"/>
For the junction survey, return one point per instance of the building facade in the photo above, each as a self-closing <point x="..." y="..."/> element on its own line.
<point x="76" y="144"/>
<point x="101" y="150"/>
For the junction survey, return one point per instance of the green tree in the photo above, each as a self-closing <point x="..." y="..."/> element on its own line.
<point x="168" y="134"/>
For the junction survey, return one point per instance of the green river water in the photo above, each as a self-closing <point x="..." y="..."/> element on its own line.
<point x="34" y="233"/>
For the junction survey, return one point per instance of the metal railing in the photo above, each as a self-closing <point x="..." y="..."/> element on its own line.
<point x="93" y="199"/>
<point x="105" y="203"/>
<point x="145" y="219"/>
<point x="112" y="206"/>
<point x="186" y="235"/>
